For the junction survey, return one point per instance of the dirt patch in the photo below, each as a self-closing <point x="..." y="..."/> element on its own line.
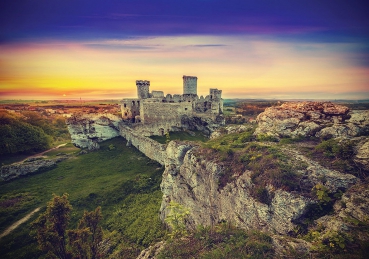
<point x="16" y="224"/>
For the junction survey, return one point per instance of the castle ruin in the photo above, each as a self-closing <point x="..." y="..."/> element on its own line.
<point x="154" y="114"/>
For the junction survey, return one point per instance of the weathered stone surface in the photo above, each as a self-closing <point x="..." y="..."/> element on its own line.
<point x="207" y="125"/>
<point x="152" y="251"/>
<point x="321" y="119"/>
<point x="346" y="131"/>
<point x="283" y="246"/>
<point x="359" y="117"/>
<point x="151" y="148"/>
<point x="8" y="172"/>
<point x="192" y="181"/>
<point x="229" y="130"/>
<point x="355" y="203"/>
<point x="362" y="154"/>
<point x="349" y="213"/>
<point x="87" y="130"/>
<point x="317" y="174"/>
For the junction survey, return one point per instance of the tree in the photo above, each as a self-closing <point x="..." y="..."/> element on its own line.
<point x="176" y="219"/>
<point x="17" y="136"/>
<point x="51" y="227"/>
<point x="86" y="238"/>
<point x="54" y="238"/>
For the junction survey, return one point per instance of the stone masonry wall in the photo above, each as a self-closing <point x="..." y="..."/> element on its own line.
<point x="152" y="112"/>
<point x="149" y="147"/>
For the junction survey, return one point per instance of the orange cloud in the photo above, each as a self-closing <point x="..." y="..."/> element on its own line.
<point x="241" y="66"/>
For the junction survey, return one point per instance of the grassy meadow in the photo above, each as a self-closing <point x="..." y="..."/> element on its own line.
<point x="181" y="135"/>
<point x="118" y="179"/>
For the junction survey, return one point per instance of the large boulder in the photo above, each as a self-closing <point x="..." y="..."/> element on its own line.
<point x="320" y="119"/>
<point x="229" y="130"/>
<point x="87" y="129"/>
<point x="362" y="154"/>
<point x="32" y="165"/>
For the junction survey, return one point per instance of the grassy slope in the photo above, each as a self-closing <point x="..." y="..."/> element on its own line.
<point x="104" y="178"/>
<point x="199" y="136"/>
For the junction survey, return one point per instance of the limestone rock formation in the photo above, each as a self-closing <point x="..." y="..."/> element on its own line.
<point x="192" y="181"/>
<point x="229" y="130"/>
<point x="87" y="130"/>
<point x="206" y="125"/>
<point x="362" y="154"/>
<point x="321" y="119"/>
<point x="350" y="213"/>
<point x="8" y="172"/>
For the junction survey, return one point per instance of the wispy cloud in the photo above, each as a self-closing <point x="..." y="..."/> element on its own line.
<point x="243" y="66"/>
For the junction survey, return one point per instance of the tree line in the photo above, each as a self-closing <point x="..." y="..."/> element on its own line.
<point x="29" y="132"/>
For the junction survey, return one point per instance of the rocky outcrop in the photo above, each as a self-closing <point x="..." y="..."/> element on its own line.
<point x="31" y="165"/>
<point x="320" y="119"/>
<point x="152" y="251"/>
<point x="350" y="216"/>
<point x="362" y="154"/>
<point x="229" y="130"/>
<point x="192" y="181"/>
<point x="316" y="174"/>
<point x="204" y="124"/>
<point x="87" y="130"/>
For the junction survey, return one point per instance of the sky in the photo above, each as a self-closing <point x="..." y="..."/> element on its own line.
<point x="285" y="49"/>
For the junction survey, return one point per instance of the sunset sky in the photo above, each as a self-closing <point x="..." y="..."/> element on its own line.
<point x="285" y="49"/>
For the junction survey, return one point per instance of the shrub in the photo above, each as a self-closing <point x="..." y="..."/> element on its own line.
<point x="223" y="241"/>
<point x="176" y="219"/>
<point x="266" y="138"/>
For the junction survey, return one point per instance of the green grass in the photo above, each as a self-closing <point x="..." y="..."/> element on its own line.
<point x="222" y="242"/>
<point x="13" y="158"/>
<point x="67" y="149"/>
<point x="269" y="164"/>
<point x="181" y="135"/>
<point x="106" y="178"/>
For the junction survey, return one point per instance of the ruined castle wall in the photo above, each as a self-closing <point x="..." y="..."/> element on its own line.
<point x="157" y="94"/>
<point x="215" y="93"/>
<point x="152" y="112"/>
<point x="130" y="108"/>
<point x="149" y="147"/>
<point x="217" y="106"/>
<point x="158" y="128"/>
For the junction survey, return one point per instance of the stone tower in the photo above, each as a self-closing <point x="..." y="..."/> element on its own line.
<point x="143" y="89"/>
<point x="189" y="85"/>
<point x="215" y="94"/>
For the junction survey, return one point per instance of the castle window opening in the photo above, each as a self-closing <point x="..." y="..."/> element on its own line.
<point x="185" y="109"/>
<point x="125" y="105"/>
<point x="161" y="132"/>
<point x="125" y="114"/>
<point x="133" y="103"/>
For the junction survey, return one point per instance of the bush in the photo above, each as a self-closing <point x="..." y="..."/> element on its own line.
<point x="223" y="241"/>
<point x="331" y="148"/>
<point x="266" y="138"/>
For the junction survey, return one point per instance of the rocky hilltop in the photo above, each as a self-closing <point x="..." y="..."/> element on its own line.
<point x="193" y="175"/>
<point x="320" y="119"/>
<point x="193" y="180"/>
<point x="87" y="130"/>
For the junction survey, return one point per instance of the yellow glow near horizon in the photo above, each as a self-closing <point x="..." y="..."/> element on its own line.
<point x="241" y="67"/>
